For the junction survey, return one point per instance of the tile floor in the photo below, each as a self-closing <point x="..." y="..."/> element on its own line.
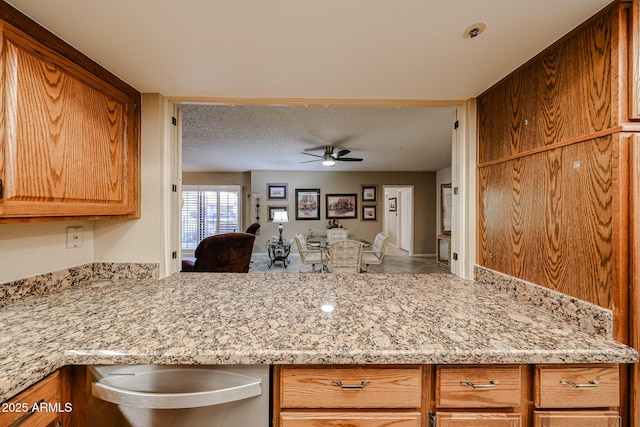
<point x="395" y="261"/>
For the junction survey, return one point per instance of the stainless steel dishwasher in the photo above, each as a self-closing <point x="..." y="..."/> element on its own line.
<point x="180" y="395"/>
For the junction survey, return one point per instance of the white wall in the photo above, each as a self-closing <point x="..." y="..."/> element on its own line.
<point x="31" y="249"/>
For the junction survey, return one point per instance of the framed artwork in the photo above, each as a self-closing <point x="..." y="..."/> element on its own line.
<point x="342" y="206"/>
<point x="276" y="191"/>
<point x="392" y="204"/>
<point x="273" y="209"/>
<point x="308" y="204"/>
<point x="369" y="213"/>
<point x="369" y="193"/>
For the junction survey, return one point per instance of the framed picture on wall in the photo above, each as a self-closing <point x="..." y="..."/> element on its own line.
<point x="273" y="209"/>
<point x="277" y="191"/>
<point x="369" y="193"/>
<point x="392" y="204"/>
<point x="369" y="213"/>
<point x="342" y="206"/>
<point x="308" y="204"/>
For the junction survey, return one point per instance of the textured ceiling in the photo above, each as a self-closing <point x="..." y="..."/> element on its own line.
<point x="234" y="139"/>
<point x="335" y="49"/>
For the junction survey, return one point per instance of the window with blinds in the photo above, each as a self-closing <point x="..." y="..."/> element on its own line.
<point x="208" y="210"/>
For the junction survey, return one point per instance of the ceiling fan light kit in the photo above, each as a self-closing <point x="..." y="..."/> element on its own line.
<point x="327" y="160"/>
<point x="331" y="155"/>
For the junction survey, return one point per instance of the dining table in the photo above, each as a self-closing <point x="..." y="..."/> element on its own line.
<point x="321" y="241"/>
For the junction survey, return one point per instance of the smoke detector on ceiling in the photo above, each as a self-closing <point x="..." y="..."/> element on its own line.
<point x="474" y="30"/>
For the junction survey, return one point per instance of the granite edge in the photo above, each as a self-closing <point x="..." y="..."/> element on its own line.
<point x="586" y="316"/>
<point x="73" y="276"/>
<point x="80" y="357"/>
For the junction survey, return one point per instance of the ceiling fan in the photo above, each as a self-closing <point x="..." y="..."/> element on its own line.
<point x="331" y="155"/>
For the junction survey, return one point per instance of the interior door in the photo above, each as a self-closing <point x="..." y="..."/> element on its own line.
<point x="405" y="231"/>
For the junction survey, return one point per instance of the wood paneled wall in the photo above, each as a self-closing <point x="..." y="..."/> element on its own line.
<point x="562" y="95"/>
<point x="552" y="164"/>
<point x="558" y="174"/>
<point x="546" y="218"/>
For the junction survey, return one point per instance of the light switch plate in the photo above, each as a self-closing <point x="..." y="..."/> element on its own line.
<point x="74" y="237"/>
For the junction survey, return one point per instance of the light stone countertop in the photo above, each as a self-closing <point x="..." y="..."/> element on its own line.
<point x="206" y="318"/>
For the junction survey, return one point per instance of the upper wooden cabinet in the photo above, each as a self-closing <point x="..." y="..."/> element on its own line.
<point x="69" y="139"/>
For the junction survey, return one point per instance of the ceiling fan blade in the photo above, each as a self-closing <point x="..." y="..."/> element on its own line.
<point x="310" y="161"/>
<point x="309" y="154"/>
<point x="348" y="159"/>
<point x="319" y="147"/>
<point x="342" y="152"/>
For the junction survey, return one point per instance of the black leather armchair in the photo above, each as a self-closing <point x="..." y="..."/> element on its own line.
<point x="222" y="253"/>
<point x="253" y="228"/>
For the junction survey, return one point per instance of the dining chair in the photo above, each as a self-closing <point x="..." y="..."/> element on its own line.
<point x="334" y="234"/>
<point x="345" y="256"/>
<point x="375" y="253"/>
<point x="309" y="256"/>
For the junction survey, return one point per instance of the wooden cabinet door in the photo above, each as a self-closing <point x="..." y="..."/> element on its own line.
<point x="478" y="386"/>
<point x="477" y="419"/>
<point x="38" y="406"/>
<point x="357" y="419"/>
<point x="576" y="419"/>
<point x="558" y="386"/>
<point x="334" y="387"/>
<point x="69" y="143"/>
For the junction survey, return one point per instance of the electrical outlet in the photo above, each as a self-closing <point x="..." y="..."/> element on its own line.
<point x="74" y="237"/>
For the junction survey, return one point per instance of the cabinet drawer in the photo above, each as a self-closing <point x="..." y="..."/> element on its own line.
<point x="474" y="419"/>
<point x="350" y="387"/>
<point x="357" y="419"/>
<point x="577" y="387"/>
<point x="576" y="419"/>
<point x="45" y="391"/>
<point x="478" y="386"/>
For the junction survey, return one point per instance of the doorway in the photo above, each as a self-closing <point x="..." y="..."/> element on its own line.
<point x="398" y="219"/>
<point x="463" y="176"/>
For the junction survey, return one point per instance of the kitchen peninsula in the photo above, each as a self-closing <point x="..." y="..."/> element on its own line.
<point x="201" y="318"/>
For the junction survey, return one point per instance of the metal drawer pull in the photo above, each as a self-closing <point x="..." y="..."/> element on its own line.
<point x="492" y="384"/>
<point x="351" y="386"/>
<point x="23" y="418"/>
<point x="592" y="383"/>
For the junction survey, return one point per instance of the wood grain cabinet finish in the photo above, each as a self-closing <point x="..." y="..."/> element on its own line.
<point x="355" y="419"/>
<point x="20" y="407"/>
<point x="351" y="387"/>
<point x="576" y="419"/>
<point x="538" y="104"/>
<point x="635" y="61"/>
<point x="477" y="419"/>
<point x="355" y="396"/>
<point x="577" y="387"/>
<point x="69" y="139"/>
<point x="478" y="386"/>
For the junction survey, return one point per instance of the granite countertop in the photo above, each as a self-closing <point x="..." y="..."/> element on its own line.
<point x="204" y="318"/>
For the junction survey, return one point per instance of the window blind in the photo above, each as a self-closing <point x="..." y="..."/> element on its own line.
<point x="208" y="210"/>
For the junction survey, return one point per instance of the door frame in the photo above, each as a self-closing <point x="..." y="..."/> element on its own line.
<point x="386" y="216"/>
<point x="463" y="162"/>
